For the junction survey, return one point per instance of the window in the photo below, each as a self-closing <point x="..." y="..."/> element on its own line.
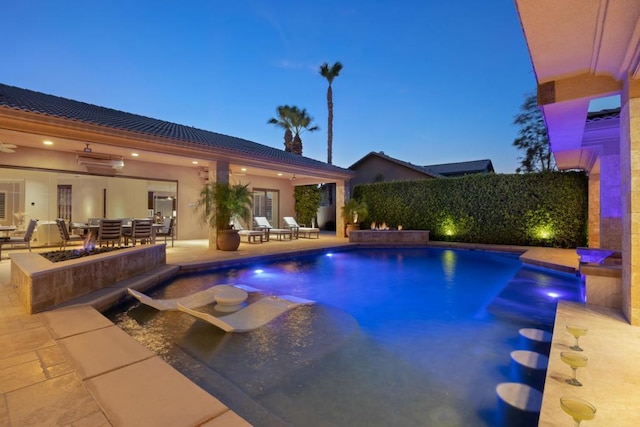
<point x="3" y="205"/>
<point x="266" y="203"/>
<point x="64" y="202"/>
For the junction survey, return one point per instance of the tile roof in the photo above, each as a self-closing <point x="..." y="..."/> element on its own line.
<point x="611" y="113"/>
<point x="381" y="154"/>
<point x="50" y="105"/>
<point x="461" y="168"/>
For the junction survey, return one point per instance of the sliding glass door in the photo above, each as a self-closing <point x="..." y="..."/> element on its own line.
<point x="266" y="203"/>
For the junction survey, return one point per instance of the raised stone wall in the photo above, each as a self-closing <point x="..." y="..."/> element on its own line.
<point x="390" y="237"/>
<point x="42" y="284"/>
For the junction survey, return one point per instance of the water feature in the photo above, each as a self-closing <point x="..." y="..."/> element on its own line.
<point x="397" y="337"/>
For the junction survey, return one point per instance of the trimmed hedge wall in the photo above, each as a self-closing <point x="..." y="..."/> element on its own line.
<point x="537" y="209"/>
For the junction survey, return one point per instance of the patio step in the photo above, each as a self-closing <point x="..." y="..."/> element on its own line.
<point x="105" y="298"/>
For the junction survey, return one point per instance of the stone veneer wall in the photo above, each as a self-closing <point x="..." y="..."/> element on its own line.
<point x="390" y="237"/>
<point x="42" y="284"/>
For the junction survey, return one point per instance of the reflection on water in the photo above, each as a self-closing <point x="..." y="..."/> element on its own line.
<point x="397" y="337"/>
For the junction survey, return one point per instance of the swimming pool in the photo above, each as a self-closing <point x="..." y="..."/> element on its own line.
<point x="398" y="337"/>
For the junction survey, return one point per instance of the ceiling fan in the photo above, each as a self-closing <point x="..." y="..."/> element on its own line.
<point x="7" y="148"/>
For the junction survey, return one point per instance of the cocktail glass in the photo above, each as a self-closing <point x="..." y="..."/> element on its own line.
<point x="579" y="409"/>
<point x="575" y="360"/>
<point x="577" y="332"/>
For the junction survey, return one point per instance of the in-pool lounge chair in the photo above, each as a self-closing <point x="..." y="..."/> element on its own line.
<point x="263" y="224"/>
<point x="252" y="316"/>
<point x="299" y="231"/>
<point x="252" y="235"/>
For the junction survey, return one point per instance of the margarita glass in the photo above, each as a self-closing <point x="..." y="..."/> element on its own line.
<point x="577" y="332"/>
<point x="579" y="409"/>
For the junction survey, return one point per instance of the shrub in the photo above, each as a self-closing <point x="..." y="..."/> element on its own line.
<point x="541" y="209"/>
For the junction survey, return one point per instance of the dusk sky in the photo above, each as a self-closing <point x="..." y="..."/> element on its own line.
<point x="424" y="81"/>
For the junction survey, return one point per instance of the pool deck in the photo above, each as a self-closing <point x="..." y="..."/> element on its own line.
<point x="74" y="367"/>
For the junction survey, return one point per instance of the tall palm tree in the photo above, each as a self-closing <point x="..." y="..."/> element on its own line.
<point x="330" y="73"/>
<point x="296" y="121"/>
<point x="284" y="121"/>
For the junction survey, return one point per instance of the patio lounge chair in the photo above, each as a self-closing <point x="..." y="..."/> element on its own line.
<point x="252" y="235"/>
<point x="299" y="231"/>
<point x="263" y="224"/>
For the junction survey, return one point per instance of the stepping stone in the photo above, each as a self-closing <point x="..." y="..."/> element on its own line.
<point x="536" y="340"/>
<point x="518" y="404"/>
<point x="537" y="335"/>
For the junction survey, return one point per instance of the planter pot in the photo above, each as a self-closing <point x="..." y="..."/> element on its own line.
<point x="228" y="240"/>
<point x="350" y="227"/>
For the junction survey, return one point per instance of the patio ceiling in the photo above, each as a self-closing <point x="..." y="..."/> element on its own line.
<point x="580" y="50"/>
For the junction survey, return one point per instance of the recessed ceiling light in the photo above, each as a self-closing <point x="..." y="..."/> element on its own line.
<point x="279" y="173"/>
<point x="134" y="154"/>
<point x="47" y="142"/>
<point x="243" y="169"/>
<point x="195" y="162"/>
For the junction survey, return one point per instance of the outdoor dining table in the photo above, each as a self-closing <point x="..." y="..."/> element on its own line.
<point x="94" y="228"/>
<point x="5" y="230"/>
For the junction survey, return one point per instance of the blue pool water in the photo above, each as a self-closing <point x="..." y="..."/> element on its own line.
<point x="398" y="337"/>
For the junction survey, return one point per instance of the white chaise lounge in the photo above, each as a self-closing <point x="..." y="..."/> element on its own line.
<point x="228" y="295"/>
<point x="253" y="316"/>
<point x="263" y="223"/>
<point x="299" y="231"/>
<point x="254" y="236"/>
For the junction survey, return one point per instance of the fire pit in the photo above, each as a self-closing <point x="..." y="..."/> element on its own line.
<point x="57" y="256"/>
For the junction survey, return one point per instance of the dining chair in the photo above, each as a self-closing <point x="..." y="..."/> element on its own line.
<point x="110" y="231"/>
<point x="65" y="237"/>
<point x="168" y="230"/>
<point x="24" y="240"/>
<point x="140" y="230"/>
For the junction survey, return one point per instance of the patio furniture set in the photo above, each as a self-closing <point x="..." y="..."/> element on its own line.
<point x="263" y="231"/>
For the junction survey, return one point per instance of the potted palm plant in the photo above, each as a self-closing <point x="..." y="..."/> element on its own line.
<point x="353" y="213"/>
<point x="219" y="202"/>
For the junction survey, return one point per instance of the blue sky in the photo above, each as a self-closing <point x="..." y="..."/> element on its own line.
<point x="424" y="81"/>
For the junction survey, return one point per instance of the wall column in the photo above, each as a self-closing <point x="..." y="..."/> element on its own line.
<point x="610" y="199"/>
<point x="594" y="210"/>
<point x="630" y="196"/>
<point x="218" y="172"/>
<point x="339" y="203"/>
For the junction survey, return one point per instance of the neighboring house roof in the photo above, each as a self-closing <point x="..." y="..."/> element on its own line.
<point x="611" y="113"/>
<point x="49" y="105"/>
<point x="381" y="155"/>
<point x="462" y="168"/>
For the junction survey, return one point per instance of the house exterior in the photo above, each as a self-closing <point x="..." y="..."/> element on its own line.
<point x="582" y="51"/>
<point x="380" y="167"/>
<point x="76" y="161"/>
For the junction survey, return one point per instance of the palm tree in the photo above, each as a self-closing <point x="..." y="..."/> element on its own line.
<point x="296" y="121"/>
<point x="284" y="121"/>
<point x="330" y="73"/>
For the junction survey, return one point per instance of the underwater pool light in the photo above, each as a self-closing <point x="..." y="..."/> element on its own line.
<point x="553" y="294"/>
<point x="329" y="254"/>
<point x="258" y="271"/>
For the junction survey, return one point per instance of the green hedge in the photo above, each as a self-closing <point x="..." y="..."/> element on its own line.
<point x="538" y="209"/>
